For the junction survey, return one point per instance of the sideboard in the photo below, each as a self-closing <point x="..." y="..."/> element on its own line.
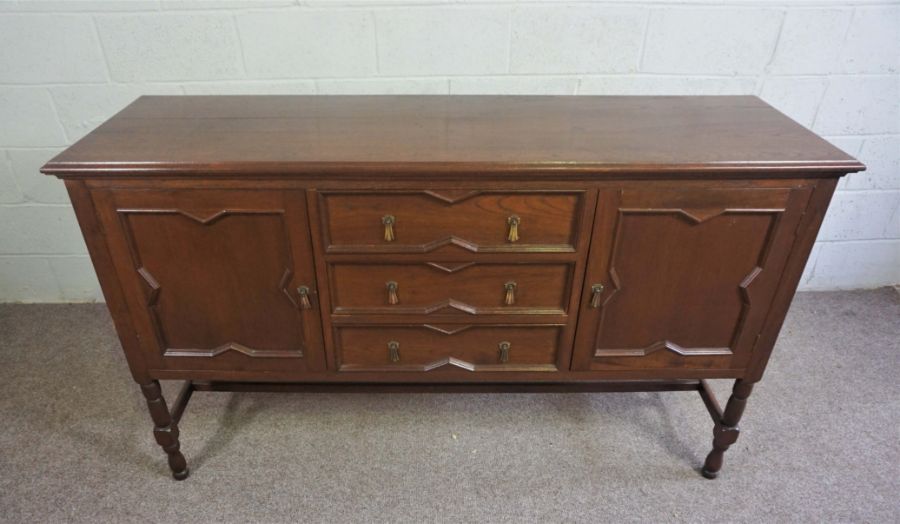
<point x="435" y="243"/>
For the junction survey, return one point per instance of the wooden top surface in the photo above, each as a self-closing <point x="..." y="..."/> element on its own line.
<point x="250" y="135"/>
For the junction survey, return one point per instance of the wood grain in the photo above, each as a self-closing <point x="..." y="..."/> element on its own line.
<point x="211" y="277"/>
<point x="427" y="135"/>
<point x="688" y="275"/>
<point x="469" y="288"/>
<point x="425" y="221"/>
<point x="434" y="348"/>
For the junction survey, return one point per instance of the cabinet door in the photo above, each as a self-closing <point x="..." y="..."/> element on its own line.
<point x="681" y="279"/>
<point x="216" y="280"/>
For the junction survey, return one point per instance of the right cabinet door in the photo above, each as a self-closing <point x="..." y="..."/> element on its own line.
<point x="680" y="278"/>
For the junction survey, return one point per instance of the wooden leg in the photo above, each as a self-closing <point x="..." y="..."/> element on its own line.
<point x="726" y="431"/>
<point x="165" y="429"/>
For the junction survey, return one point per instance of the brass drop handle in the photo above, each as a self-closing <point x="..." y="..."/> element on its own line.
<point x="510" y="297"/>
<point x="393" y="298"/>
<point x="596" y="292"/>
<point x="304" y="292"/>
<point x="388" y="221"/>
<point x="394" y="350"/>
<point x="513" y="223"/>
<point x="504" y="351"/>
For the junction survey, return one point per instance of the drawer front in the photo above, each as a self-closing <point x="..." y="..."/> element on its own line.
<point x="450" y="287"/>
<point x="428" y="348"/>
<point x="425" y="221"/>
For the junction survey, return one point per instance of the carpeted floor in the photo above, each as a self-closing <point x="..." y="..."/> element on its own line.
<point x="820" y="440"/>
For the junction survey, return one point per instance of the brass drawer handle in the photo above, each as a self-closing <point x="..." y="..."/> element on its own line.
<point x="388" y="221"/>
<point x="513" y="223"/>
<point x="393" y="298"/>
<point x="504" y="351"/>
<point x="304" y="292"/>
<point x="394" y="350"/>
<point x="596" y="292"/>
<point x="510" y="297"/>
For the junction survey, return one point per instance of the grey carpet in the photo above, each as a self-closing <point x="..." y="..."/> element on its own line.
<point x="820" y="441"/>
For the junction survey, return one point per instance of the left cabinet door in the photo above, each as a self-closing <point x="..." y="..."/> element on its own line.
<point x="217" y="280"/>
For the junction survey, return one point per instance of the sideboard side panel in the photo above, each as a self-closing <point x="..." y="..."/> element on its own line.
<point x="98" y="249"/>
<point x="790" y="279"/>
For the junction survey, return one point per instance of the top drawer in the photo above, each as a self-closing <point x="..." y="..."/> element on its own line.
<point x="431" y="220"/>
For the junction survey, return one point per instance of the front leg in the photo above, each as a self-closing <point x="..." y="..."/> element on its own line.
<point x="165" y="429"/>
<point x="726" y="430"/>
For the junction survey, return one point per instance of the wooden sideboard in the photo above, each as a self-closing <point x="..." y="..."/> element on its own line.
<point x="432" y="243"/>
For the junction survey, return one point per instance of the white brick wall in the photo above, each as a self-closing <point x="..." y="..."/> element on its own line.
<point x="66" y="65"/>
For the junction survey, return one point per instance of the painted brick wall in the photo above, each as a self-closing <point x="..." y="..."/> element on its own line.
<point x="65" y="66"/>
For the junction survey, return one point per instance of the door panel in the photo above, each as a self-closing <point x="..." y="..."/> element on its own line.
<point x="213" y="277"/>
<point x="687" y="276"/>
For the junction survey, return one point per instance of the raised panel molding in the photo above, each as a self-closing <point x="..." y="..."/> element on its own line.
<point x="211" y="218"/>
<point x="696" y="215"/>
<point x="450" y="306"/>
<point x="457" y="242"/>
<point x="452" y="196"/>
<point x="447" y="329"/>
<point x="232" y="346"/>
<point x="659" y="345"/>
<point x="454" y="362"/>
<point x="449" y="267"/>
<point x="283" y="286"/>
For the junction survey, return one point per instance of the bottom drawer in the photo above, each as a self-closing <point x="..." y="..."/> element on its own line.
<point x="431" y="347"/>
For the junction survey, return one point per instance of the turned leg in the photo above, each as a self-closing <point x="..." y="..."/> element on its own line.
<point x="165" y="429"/>
<point x="726" y="431"/>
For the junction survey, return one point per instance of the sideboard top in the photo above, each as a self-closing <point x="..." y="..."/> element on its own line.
<point x="260" y="135"/>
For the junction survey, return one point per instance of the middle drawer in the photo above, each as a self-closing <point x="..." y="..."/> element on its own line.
<point x="477" y="288"/>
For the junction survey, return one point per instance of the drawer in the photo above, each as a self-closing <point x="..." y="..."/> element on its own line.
<point x="428" y="348"/>
<point x="425" y="221"/>
<point x="450" y="287"/>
